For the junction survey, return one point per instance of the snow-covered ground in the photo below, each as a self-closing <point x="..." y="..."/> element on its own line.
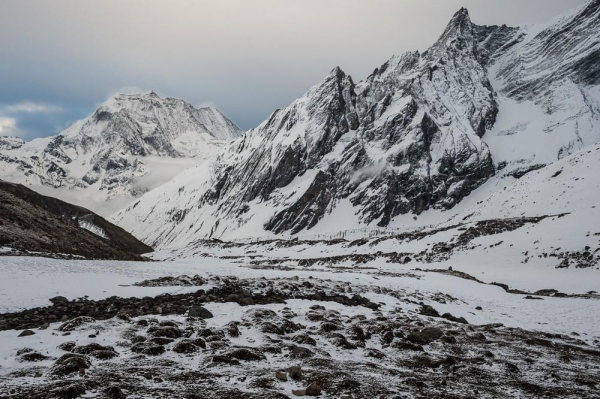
<point x="27" y="282"/>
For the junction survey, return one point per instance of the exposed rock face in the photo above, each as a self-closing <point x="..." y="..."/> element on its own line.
<point x="107" y="150"/>
<point x="420" y="133"/>
<point x="30" y="222"/>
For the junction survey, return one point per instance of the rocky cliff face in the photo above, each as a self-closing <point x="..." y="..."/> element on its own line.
<point x="31" y="223"/>
<point x="108" y="151"/>
<point x="421" y="132"/>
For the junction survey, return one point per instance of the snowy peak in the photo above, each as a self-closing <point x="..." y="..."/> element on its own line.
<point x="111" y="150"/>
<point x="417" y="137"/>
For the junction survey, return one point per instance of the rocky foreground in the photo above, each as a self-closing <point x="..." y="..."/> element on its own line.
<point x="282" y="338"/>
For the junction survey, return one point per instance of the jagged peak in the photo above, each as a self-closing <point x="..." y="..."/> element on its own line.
<point x="460" y="22"/>
<point x="337" y="73"/>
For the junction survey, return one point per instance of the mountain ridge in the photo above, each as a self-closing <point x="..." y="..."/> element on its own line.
<point x="108" y="152"/>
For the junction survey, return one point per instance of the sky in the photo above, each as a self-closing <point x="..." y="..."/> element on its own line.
<point x="61" y="58"/>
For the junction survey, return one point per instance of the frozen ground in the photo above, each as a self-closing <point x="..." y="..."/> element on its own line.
<point x="354" y="327"/>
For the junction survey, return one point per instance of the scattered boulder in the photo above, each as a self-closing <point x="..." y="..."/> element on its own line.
<point x="26" y="333"/>
<point x="185" y="346"/>
<point x="461" y="320"/>
<point x="295" y="372"/>
<point x="73" y="324"/>
<point x="427" y="310"/>
<point x="96" y="350"/>
<point x="200" y="311"/>
<point x="70" y="363"/>
<point x="31" y="356"/>
<point x="148" y="348"/>
<point x="246" y="354"/>
<point x="299" y="352"/>
<point x="70" y="391"/>
<point x="114" y="392"/>
<point x="67" y="346"/>
<point x="313" y="389"/>
<point x="281" y="375"/>
<point x="58" y="300"/>
<point x="304" y="339"/>
<point x="425" y="336"/>
<point x="166" y="332"/>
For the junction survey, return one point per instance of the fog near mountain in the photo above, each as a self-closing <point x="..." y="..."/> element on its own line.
<point x="248" y="57"/>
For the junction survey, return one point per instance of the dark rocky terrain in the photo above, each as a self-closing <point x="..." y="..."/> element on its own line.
<point x="282" y="338"/>
<point x="31" y="223"/>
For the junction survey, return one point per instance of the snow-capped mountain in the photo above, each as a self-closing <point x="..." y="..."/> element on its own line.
<point x="128" y="137"/>
<point x="418" y="135"/>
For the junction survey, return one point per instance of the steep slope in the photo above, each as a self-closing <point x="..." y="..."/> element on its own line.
<point x="128" y="137"/>
<point x="32" y="222"/>
<point x="548" y="81"/>
<point x="414" y="138"/>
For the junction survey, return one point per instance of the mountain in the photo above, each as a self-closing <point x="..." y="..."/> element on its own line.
<point x="416" y="137"/>
<point x="129" y="144"/>
<point x="34" y="223"/>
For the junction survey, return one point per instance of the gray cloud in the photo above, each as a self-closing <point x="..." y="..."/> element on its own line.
<point x="246" y="56"/>
<point x="30" y="107"/>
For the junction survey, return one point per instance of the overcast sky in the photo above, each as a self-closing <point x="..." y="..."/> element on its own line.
<point x="61" y="58"/>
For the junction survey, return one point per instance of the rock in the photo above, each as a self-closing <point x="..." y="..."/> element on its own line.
<point x="70" y="363"/>
<point x="94" y="347"/>
<point x="138" y="338"/>
<point x="185" y="347"/>
<point x="246" y="355"/>
<point x="377" y="354"/>
<point x="114" y="392"/>
<point x="67" y="346"/>
<point x="313" y="389"/>
<point x="165" y="332"/>
<point x="200" y="311"/>
<point x="461" y="320"/>
<point x="221" y="359"/>
<point x="304" y="339"/>
<point x="233" y="330"/>
<point x="299" y="392"/>
<point x="69" y="391"/>
<point x="299" y="352"/>
<point x="104" y="354"/>
<point x="58" y="300"/>
<point x="148" y="348"/>
<point x="26" y="333"/>
<point x="76" y="322"/>
<point x="161" y="340"/>
<point x="295" y="372"/>
<point x="32" y="356"/>
<point x="427" y="310"/>
<point x="328" y="327"/>
<point x="281" y="375"/>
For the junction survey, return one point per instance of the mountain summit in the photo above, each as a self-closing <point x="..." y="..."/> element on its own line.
<point x="419" y="134"/>
<point x="107" y="153"/>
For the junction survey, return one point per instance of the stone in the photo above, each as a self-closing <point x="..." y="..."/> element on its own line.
<point x="299" y="352"/>
<point x="114" y="392"/>
<point x="70" y="363"/>
<point x="75" y="323"/>
<point x="26" y="333"/>
<point x="200" y="311"/>
<point x="313" y="389"/>
<point x="299" y="392"/>
<point x="58" y="300"/>
<point x="295" y="372"/>
<point x="281" y="375"/>
<point x="185" y="347"/>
